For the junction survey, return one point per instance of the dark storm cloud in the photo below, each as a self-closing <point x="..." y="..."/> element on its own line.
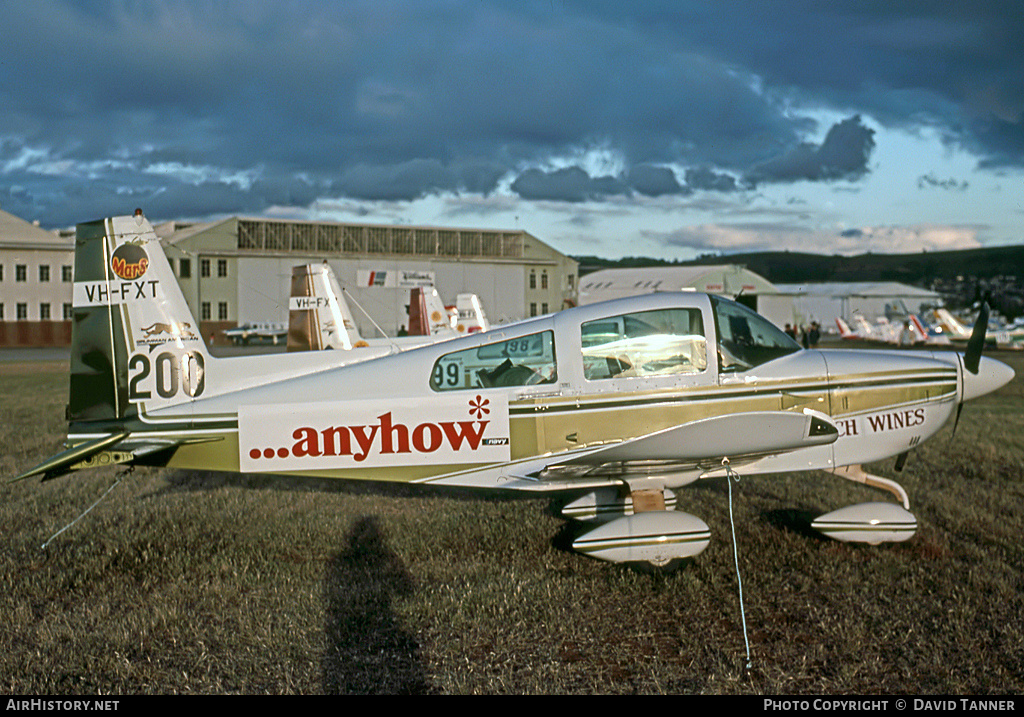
<point x="280" y="103"/>
<point x="955" y="65"/>
<point x="843" y="155"/>
<point x="654" y="181"/>
<point x="708" y="179"/>
<point x="571" y="184"/>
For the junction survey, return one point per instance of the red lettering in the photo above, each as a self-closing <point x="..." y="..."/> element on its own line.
<point x="389" y="431"/>
<point x="128" y="271"/>
<point x="394" y="438"/>
<point x="365" y="441"/>
<point x="343" y="447"/>
<point x="418" y="437"/>
<point x="308" y="442"/>
<point x="465" y="432"/>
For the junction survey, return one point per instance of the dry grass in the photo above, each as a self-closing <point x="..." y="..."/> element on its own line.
<point x="211" y="583"/>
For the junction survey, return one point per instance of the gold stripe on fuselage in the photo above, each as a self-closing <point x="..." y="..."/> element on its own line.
<point x="555" y="424"/>
<point x="559" y="423"/>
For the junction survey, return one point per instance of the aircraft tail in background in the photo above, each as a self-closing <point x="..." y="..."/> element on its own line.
<point x="428" y="315"/>
<point x="471" y="316"/>
<point x="844" y="329"/>
<point x="318" y="315"/>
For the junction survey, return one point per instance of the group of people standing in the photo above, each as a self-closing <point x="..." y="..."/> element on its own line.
<point x="807" y="336"/>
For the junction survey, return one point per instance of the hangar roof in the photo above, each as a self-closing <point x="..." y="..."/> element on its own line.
<point x="16" y="233"/>
<point x="838" y="290"/>
<point x="262" y="236"/>
<point x="725" y="279"/>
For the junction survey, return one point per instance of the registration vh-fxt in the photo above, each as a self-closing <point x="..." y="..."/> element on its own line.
<point x="617" y="404"/>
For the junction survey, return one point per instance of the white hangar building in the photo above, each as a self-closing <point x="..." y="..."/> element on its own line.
<point x="238" y="270"/>
<point x="729" y="280"/>
<point x="36" y="279"/>
<point x="826" y="302"/>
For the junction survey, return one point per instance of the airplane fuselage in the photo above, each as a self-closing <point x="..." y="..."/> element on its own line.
<point x="361" y="420"/>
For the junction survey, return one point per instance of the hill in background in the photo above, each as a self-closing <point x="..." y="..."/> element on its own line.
<point x="962" y="277"/>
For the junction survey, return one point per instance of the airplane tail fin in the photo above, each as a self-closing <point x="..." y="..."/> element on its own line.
<point x="135" y="346"/>
<point x="953" y="325"/>
<point x="427" y="313"/>
<point x="472" y="318"/>
<point x="921" y="333"/>
<point x="844" y="328"/>
<point x="134" y="340"/>
<point x="318" y="315"/>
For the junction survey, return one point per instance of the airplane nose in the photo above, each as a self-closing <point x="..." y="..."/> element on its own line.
<point x="992" y="375"/>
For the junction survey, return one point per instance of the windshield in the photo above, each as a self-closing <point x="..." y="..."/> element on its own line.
<point x="650" y="343"/>
<point x="747" y="339"/>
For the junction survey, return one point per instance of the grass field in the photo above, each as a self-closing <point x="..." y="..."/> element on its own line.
<point x="211" y="583"/>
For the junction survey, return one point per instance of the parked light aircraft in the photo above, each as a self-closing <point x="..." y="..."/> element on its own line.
<point x="260" y="331"/>
<point x="1005" y="337"/>
<point x="907" y="332"/>
<point x="319" y="317"/>
<point x="622" y="403"/>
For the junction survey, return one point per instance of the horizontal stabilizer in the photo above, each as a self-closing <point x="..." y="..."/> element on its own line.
<point x="62" y="462"/>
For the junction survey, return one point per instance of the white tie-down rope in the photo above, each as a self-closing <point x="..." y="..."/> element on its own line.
<point x="730" y="476"/>
<point x="87" y="510"/>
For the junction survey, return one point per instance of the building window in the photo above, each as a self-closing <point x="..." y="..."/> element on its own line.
<point x="21" y="273"/>
<point x="67" y="274"/>
<point x="44" y="273"/>
<point x="1" y="272"/>
<point x="533" y="280"/>
<point x="533" y="309"/>
<point x="544" y="308"/>
<point x="222" y="311"/>
<point x="204" y="311"/>
<point x="204" y="268"/>
<point x="185" y="268"/>
<point x="22" y="310"/>
<point x="222" y="268"/>
<point x="1" y="312"/>
<point x="44" y="312"/>
<point x="544" y="280"/>
<point x="69" y="312"/>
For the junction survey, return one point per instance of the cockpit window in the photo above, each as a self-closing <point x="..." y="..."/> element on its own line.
<point x="522" y="361"/>
<point x="647" y="343"/>
<point x="747" y="339"/>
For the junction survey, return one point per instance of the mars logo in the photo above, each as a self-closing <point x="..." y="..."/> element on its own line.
<point x="129" y="261"/>
<point x="360" y="434"/>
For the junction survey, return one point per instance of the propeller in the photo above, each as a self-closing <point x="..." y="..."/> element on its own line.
<point x="976" y="343"/>
<point x="972" y="356"/>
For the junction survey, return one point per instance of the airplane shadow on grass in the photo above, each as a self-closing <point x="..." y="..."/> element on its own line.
<point x="367" y="650"/>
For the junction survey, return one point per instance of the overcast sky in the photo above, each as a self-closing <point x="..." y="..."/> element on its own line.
<point x="647" y="128"/>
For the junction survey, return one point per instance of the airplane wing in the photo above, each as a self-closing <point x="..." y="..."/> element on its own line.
<point x="698" y="446"/>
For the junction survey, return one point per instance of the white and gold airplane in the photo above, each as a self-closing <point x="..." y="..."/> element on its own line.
<point x="621" y="403"/>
